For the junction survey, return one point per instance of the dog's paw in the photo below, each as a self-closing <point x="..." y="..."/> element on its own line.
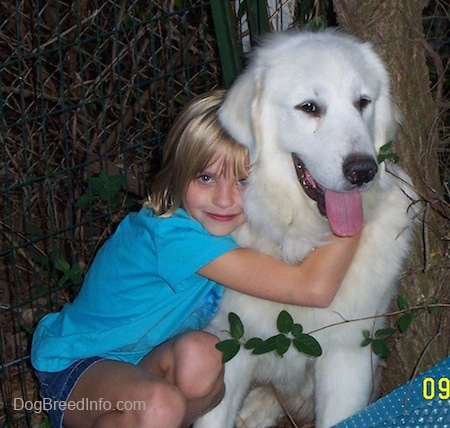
<point x="260" y="409"/>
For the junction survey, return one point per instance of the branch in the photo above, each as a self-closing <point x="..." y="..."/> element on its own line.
<point x="388" y="314"/>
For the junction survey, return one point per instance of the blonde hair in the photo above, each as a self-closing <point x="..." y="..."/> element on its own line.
<point x="195" y="141"/>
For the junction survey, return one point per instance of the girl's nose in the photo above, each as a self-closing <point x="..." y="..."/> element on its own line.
<point x="224" y="195"/>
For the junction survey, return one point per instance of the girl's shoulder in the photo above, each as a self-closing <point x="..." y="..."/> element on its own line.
<point x="146" y="221"/>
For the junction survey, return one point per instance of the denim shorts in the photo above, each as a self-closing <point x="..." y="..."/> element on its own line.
<point x="55" y="388"/>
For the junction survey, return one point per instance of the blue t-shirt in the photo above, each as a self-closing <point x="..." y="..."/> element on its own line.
<point x="141" y="290"/>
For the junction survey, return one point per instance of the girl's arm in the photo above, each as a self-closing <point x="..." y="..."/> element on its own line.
<point x="314" y="282"/>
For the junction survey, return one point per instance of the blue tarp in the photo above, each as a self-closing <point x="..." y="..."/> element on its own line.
<point x="423" y="402"/>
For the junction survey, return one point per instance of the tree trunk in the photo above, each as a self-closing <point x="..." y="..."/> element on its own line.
<point x="395" y="29"/>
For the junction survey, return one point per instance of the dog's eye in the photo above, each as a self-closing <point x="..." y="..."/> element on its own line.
<point x="362" y="103"/>
<point x="309" y="107"/>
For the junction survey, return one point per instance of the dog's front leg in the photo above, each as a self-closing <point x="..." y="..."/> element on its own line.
<point x="343" y="384"/>
<point x="238" y="375"/>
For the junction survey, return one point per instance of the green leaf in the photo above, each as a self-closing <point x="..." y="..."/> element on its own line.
<point x="297" y="330"/>
<point x="366" y="342"/>
<point x="402" y="303"/>
<point x="236" y="326"/>
<point x="63" y="280"/>
<point x="229" y="348"/>
<point x="404" y="322"/>
<point x="253" y="343"/>
<point x="387" y="153"/>
<point x="61" y="264"/>
<point x="42" y="260"/>
<point x="283" y="345"/>
<point x="106" y="186"/>
<point x="367" y="339"/>
<point x="82" y="201"/>
<point x="268" y="345"/>
<point x="379" y="347"/>
<point x="75" y="274"/>
<point x="284" y="322"/>
<point x="384" y="332"/>
<point x="308" y="345"/>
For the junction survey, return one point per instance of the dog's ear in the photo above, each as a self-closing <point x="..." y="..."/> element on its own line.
<point x="387" y="119"/>
<point x="237" y="111"/>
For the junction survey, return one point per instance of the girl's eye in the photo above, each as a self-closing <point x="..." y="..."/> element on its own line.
<point x="205" y="178"/>
<point x="242" y="182"/>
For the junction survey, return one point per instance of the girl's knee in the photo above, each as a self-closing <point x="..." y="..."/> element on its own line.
<point x="199" y="368"/>
<point x="200" y="345"/>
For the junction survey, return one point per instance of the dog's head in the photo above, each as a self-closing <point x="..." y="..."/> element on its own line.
<point x="316" y="106"/>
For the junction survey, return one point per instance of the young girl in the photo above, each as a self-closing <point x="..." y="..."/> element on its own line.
<point x="129" y="351"/>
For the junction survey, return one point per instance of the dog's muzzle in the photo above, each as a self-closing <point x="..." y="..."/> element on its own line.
<point x="343" y="210"/>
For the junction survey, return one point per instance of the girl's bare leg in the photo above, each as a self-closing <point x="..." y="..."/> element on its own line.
<point x="122" y="394"/>
<point x="171" y="387"/>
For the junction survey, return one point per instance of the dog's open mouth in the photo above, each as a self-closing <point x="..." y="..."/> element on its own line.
<point x="343" y="210"/>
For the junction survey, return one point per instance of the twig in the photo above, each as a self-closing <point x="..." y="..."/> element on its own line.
<point x="388" y="314"/>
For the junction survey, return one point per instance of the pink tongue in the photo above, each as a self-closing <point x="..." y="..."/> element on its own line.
<point x="344" y="212"/>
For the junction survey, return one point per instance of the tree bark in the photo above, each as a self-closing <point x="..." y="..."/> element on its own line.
<point x="395" y="28"/>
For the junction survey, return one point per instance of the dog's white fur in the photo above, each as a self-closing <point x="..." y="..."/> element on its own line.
<point x="333" y="71"/>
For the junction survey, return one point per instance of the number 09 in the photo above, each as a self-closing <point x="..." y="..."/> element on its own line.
<point x="429" y="388"/>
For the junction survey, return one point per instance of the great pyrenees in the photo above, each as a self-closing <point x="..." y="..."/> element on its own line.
<point x="314" y="110"/>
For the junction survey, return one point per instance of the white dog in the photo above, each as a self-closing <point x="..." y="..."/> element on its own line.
<point x="313" y="110"/>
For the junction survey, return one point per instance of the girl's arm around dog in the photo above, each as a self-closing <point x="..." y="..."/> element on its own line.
<point x="314" y="282"/>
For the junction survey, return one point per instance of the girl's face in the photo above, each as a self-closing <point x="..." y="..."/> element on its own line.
<point x="215" y="200"/>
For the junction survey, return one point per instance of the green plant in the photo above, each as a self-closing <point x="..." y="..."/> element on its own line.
<point x="102" y="188"/>
<point x="289" y="333"/>
<point x="378" y="341"/>
<point x="387" y="153"/>
<point x="292" y="333"/>
<point x="72" y="274"/>
<point x="55" y="270"/>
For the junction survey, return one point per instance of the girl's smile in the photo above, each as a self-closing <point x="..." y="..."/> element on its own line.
<point x="219" y="217"/>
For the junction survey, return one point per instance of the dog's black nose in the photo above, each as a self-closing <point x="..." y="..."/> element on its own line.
<point x="359" y="169"/>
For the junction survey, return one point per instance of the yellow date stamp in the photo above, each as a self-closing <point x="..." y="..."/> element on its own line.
<point x="436" y="388"/>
